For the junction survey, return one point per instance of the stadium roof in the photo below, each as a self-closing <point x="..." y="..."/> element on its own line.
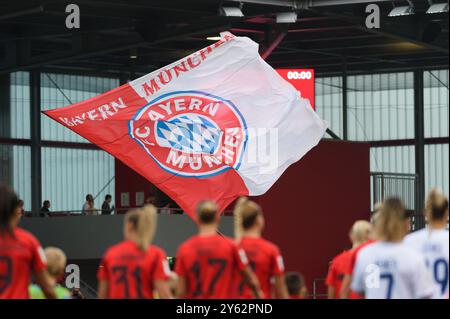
<point x="137" y="36"/>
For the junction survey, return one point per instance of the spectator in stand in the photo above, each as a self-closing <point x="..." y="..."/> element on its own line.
<point x="296" y="285"/>
<point x="45" y="209"/>
<point x="88" y="206"/>
<point x="56" y="265"/>
<point x="106" y="206"/>
<point x="150" y="200"/>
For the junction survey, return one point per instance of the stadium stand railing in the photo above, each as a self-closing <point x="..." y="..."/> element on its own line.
<point x="319" y="289"/>
<point x="87" y="291"/>
<point x="162" y="210"/>
<point x="403" y="186"/>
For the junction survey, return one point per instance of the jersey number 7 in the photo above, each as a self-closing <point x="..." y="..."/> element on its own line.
<point x="390" y="283"/>
<point x="220" y="265"/>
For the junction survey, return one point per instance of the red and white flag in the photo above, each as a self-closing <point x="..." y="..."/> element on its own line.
<point x="217" y="124"/>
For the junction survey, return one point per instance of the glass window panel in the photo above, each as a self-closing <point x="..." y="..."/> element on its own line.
<point x="380" y="106"/>
<point x="69" y="174"/>
<point x="436" y="103"/>
<point x="70" y="87"/>
<point x="15" y="170"/>
<point x="437" y="167"/>
<point x="18" y="109"/>
<point x="398" y="159"/>
<point x="328" y="97"/>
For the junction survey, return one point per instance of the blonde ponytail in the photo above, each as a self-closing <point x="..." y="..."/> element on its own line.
<point x="238" y="209"/>
<point x="144" y="220"/>
<point x="390" y="222"/>
<point x="245" y="214"/>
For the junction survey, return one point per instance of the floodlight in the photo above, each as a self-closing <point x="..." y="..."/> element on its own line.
<point x="403" y="10"/>
<point x="438" y="8"/>
<point x="287" y="17"/>
<point x="231" y="12"/>
<point x="133" y="53"/>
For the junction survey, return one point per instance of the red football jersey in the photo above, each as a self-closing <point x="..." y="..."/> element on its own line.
<point x="131" y="272"/>
<point x="266" y="262"/>
<point x="210" y="266"/>
<point x="337" y="270"/>
<point x="21" y="255"/>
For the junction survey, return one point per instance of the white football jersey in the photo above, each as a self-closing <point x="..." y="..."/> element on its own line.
<point x="391" y="271"/>
<point x="433" y="245"/>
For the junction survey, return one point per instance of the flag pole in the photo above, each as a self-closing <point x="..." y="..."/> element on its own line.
<point x="333" y="135"/>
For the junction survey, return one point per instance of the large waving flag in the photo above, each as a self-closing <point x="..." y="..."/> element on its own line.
<point x="218" y="124"/>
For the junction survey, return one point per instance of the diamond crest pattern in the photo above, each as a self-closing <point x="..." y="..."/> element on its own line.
<point x="190" y="133"/>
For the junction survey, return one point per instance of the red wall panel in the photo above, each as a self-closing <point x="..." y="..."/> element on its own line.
<point x="127" y="180"/>
<point x="311" y="207"/>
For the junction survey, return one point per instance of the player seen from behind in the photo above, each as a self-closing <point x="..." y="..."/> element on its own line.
<point x="264" y="257"/>
<point x="389" y="269"/>
<point x="208" y="264"/>
<point x="134" y="269"/>
<point x="21" y="255"/>
<point x="359" y="234"/>
<point x="433" y="242"/>
<point x="349" y="266"/>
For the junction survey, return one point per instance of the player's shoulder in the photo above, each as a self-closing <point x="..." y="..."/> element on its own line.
<point x="188" y="244"/>
<point x="269" y="246"/>
<point x="227" y="241"/>
<point x="342" y="256"/>
<point x="442" y="235"/>
<point x="427" y="235"/>
<point x="367" y="251"/>
<point x="415" y="236"/>
<point x="439" y="237"/>
<point x="193" y="240"/>
<point x="409" y="255"/>
<point x="25" y="236"/>
<point x="116" y="249"/>
<point x="370" y="245"/>
<point x="156" y="250"/>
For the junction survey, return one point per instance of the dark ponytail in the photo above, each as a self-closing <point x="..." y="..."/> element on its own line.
<point x="8" y="204"/>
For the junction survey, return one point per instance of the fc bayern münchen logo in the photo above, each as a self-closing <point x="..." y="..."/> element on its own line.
<point x="191" y="133"/>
